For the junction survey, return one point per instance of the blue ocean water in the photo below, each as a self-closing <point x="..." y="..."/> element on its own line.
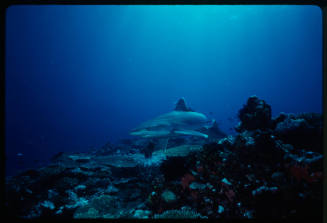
<point x="80" y="76"/>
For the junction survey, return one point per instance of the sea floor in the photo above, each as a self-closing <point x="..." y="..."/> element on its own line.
<point x="271" y="168"/>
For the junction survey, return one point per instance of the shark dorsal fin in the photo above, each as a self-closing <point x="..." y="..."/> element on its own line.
<point x="181" y="105"/>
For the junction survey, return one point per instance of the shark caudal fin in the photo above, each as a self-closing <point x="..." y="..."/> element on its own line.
<point x="181" y="105"/>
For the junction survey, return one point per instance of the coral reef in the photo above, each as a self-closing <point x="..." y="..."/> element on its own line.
<point x="303" y="131"/>
<point x="184" y="212"/>
<point x="272" y="168"/>
<point x="256" y="114"/>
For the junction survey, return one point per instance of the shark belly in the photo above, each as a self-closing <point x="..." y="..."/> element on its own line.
<point x="190" y="132"/>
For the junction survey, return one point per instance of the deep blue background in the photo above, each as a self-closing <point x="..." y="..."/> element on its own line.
<point x="79" y="76"/>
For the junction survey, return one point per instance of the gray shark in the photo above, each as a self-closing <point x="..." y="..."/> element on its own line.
<point x="181" y="121"/>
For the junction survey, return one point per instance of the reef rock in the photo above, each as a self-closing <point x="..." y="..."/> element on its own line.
<point x="303" y="130"/>
<point x="255" y="114"/>
<point x="271" y="168"/>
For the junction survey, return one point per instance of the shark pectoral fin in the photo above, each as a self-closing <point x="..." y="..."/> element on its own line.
<point x="190" y="132"/>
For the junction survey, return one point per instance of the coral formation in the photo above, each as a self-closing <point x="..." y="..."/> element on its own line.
<point x="271" y="168"/>
<point x="183" y="213"/>
<point x="256" y="114"/>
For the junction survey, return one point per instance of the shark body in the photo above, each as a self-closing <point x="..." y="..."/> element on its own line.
<point x="181" y="121"/>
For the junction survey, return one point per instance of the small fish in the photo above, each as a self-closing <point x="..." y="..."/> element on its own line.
<point x="20" y="154"/>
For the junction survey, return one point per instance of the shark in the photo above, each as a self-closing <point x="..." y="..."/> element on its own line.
<point x="182" y="121"/>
